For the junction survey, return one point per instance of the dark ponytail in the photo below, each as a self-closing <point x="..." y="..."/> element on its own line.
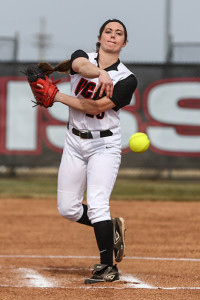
<point x="62" y="67"/>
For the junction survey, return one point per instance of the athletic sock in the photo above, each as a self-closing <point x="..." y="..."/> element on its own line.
<point x="84" y="219"/>
<point x="104" y="237"/>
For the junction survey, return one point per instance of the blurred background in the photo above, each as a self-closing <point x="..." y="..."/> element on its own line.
<point x="163" y="51"/>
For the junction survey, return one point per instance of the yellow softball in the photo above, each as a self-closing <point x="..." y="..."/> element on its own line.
<point x="139" y="142"/>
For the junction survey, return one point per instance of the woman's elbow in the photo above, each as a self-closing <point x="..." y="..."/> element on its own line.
<point x="92" y="111"/>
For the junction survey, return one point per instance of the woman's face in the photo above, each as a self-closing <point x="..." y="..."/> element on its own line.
<point x="112" y="39"/>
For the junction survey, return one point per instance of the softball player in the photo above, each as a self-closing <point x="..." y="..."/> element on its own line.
<point x="100" y="86"/>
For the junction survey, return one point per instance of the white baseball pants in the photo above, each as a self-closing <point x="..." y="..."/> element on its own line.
<point x="92" y="165"/>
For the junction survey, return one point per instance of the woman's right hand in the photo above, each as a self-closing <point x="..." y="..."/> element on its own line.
<point x="105" y="83"/>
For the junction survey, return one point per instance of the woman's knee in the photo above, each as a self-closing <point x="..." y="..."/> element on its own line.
<point x="69" y="212"/>
<point x="70" y="209"/>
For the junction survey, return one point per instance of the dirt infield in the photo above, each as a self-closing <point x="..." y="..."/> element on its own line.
<point x="43" y="256"/>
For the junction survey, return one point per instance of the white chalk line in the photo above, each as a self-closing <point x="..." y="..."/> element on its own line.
<point x="104" y="287"/>
<point x="34" y="280"/>
<point x="97" y="257"/>
<point x="133" y="282"/>
<point x="31" y="278"/>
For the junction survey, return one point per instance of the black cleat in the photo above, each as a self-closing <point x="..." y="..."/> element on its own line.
<point x="103" y="273"/>
<point x="118" y="238"/>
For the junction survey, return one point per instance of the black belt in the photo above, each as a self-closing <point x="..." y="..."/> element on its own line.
<point x="88" y="134"/>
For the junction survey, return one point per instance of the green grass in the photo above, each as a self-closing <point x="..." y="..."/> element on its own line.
<point x="28" y="187"/>
<point x="125" y="189"/>
<point x="155" y="190"/>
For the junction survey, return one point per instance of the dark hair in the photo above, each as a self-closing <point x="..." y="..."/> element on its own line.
<point x="103" y="27"/>
<point x="62" y="67"/>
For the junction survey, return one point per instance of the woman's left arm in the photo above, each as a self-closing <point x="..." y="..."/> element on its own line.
<point x="88" y="106"/>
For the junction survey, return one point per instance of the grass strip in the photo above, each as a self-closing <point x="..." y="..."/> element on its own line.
<point x="125" y="189"/>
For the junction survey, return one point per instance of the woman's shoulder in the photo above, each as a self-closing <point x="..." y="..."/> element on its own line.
<point x="123" y="73"/>
<point x="124" y="69"/>
<point x="92" y="56"/>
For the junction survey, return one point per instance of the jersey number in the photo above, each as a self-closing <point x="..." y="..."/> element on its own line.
<point x="86" y="90"/>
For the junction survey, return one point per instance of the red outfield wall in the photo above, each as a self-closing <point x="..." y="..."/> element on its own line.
<point x="166" y="105"/>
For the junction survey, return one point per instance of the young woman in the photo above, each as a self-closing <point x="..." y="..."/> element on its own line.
<point x="100" y="86"/>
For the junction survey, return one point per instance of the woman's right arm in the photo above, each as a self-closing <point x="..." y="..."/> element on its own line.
<point x="86" y="69"/>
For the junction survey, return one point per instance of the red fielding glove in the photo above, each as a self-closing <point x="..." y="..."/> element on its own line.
<point x="44" y="95"/>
